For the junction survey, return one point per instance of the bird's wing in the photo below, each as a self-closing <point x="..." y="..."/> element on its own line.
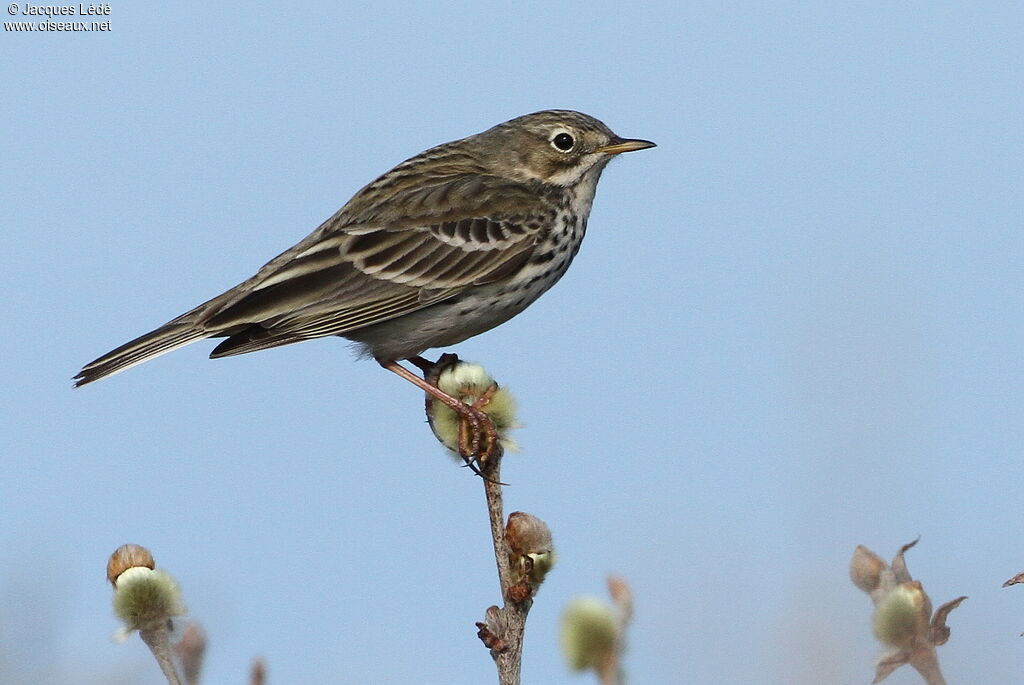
<point x="363" y="268"/>
<point x="396" y="247"/>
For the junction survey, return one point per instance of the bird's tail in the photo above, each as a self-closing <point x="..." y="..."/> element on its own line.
<point x="168" y="337"/>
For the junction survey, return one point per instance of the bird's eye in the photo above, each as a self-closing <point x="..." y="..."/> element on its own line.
<point x="563" y="142"/>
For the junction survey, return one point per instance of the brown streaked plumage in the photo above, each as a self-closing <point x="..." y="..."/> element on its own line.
<point x="446" y="245"/>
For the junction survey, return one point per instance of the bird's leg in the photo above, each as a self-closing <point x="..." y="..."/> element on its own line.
<point x="425" y="365"/>
<point x="479" y="424"/>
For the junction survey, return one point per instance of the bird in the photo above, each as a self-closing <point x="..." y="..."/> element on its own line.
<point x="446" y="245"/>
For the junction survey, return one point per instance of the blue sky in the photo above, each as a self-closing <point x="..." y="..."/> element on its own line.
<point x="794" y="327"/>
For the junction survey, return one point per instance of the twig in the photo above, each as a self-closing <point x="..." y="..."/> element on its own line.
<point x="929" y="670"/>
<point x="479" y="446"/>
<point x="514" y="612"/>
<point x="158" y="641"/>
<point x="258" y="672"/>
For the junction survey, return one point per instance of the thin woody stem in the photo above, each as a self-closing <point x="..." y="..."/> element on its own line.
<point x="608" y="674"/>
<point x="505" y="639"/>
<point x="158" y="641"/>
<point x="258" y="672"/>
<point x="928" y="667"/>
<point x="509" y="660"/>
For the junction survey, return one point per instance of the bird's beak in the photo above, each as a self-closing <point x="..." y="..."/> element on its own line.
<point x="620" y="145"/>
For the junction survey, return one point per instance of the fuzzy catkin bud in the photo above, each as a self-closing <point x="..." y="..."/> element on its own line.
<point x="539" y="566"/>
<point x="903" y="615"/>
<point x="590" y="632"/>
<point x="145" y="598"/>
<point x="469" y="383"/>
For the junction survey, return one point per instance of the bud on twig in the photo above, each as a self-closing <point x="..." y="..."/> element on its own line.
<point x="594" y="634"/>
<point x="491" y="630"/>
<point x="902" y="615"/>
<point x="472" y="384"/>
<point x="1019" y="578"/>
<point x="258" y="672"/>
<point x="590" y="632"/>
<point x="191" y="650"/>
<point x="866" y="569"/>
<point x="903" y="619"/>
<point x="145" y="599"/>
<point x="531" y="553"/>
<point x="622" y="597"/>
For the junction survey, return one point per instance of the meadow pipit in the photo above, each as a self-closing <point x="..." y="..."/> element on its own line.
<point x="447" y="245"/>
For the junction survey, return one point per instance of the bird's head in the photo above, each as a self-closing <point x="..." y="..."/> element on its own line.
<point x="554" y="147"/>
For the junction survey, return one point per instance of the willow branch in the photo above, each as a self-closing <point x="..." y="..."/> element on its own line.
<point x="512" y="616"/>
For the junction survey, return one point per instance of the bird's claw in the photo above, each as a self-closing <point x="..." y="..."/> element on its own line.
<point x="478" y="439"/>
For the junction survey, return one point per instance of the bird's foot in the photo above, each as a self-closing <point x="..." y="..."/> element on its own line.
<point x="478" y="439"/>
